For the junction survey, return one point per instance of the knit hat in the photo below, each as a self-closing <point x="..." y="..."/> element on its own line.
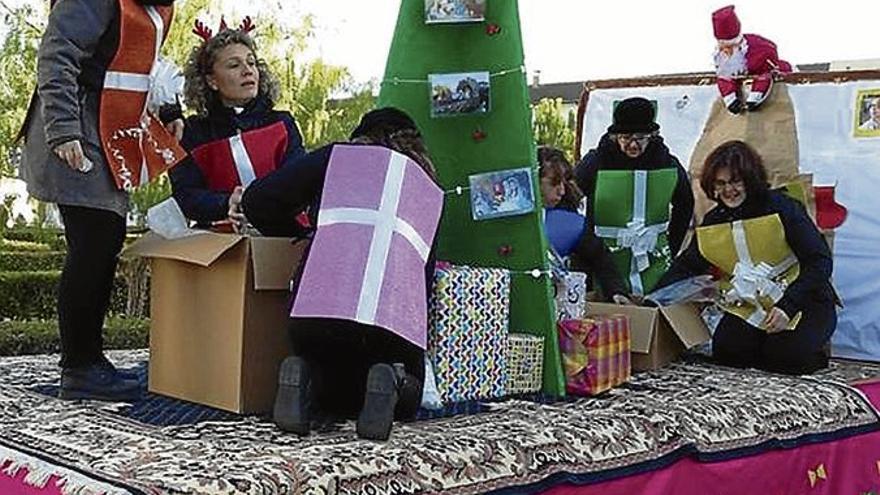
<point x="383" y="121"/>
<point x="634" y="115"/>
<point x="726" y="25"/>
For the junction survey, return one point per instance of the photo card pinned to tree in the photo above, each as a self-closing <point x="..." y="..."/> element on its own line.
<point x="461" y="93"/>
<point x="502" y="194"/>
<point x="454" y="11"/>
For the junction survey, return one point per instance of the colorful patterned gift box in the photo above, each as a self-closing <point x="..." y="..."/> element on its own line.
<point x="525" y="363"/>
<point x="595" y="353"/>
<point x="468" y="332"/>
<point x="571" y="296"/>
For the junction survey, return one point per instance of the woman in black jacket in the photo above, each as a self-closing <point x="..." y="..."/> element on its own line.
<point x="774" y="265"/>
<point x="340" y="367"/>
<point x="566" y="228"/>
<point x="631" y="153"/>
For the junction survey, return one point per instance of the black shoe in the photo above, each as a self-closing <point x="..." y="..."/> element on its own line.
<point x="754" y="105"/>
<point x="294" y="397"/>
<point x="409" y="398"/>
<point x="97" y="382"/>
<point x="380" y="399"/>
<point x="735" y="107"/>
<point x="124" y="374"/>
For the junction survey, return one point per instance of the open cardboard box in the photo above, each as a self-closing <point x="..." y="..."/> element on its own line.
<point x="658" y="335"/>
<point x="219" y="311"/>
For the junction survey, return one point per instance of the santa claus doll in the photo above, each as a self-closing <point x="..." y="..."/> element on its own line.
<point x="743" y="55"/>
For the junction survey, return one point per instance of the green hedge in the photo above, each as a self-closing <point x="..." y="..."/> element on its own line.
<point x="27" y="261"/>
<point x="41" y="337"/>
<point x="33" y="295"/>
<point x="53" y="238"/>
<point x="18" y="246"/>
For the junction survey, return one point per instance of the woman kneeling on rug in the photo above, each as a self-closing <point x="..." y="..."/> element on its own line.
<point x="359" y="312"/>
<point x="236" y="136"/>
<point x="774" y="265"/>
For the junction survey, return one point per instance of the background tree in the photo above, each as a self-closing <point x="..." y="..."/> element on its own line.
<point x="323" y="98"/>
<point x="551" y="128"/>
<point x="18" y="64"/>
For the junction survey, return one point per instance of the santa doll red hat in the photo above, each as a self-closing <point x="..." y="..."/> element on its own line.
<point x="741" y="55"/>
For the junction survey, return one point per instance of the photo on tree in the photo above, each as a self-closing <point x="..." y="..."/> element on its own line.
<point x="502" y="194"/>
<point x="459" y="93"/>
<point x="453" y="11"/>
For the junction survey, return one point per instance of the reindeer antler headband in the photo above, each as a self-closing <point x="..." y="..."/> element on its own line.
<point x="204" y="32"/>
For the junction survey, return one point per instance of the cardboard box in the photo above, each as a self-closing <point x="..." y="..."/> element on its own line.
<point x="219" y="312"/>
<point x="658" y="335"/>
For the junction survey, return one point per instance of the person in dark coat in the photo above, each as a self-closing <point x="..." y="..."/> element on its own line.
<point x="341" y="368"/>
<point x="774" y="264"/>
<point x="633" y="144"/>
<point x="65" y="161"/>
<point x="236" y="135"/>
<point x="566" y="228"/>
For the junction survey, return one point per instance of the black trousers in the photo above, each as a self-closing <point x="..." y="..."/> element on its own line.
<point x="341" y="353"/>
<point x="94" y="239"/>
<point x="798" y="351"/>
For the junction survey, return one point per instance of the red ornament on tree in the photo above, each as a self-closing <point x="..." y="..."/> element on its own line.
<point x="492" y="29"/>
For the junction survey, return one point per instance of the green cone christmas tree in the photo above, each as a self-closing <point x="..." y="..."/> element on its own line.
<point x="472" y="138"/>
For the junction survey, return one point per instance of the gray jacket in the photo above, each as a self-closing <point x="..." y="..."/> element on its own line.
<point x="80" y="41"/>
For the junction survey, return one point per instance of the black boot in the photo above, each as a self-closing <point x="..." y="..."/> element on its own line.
<point x="380" y="399"/>
<point x="409" y="398"/>
<point x="293" y="400"/>
<point x="735" y="107"/>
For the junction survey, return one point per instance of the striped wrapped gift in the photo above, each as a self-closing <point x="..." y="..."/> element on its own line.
<point x="468" y="332"/>
<point x="525" y="363"/>
<point x="595" y="353"/>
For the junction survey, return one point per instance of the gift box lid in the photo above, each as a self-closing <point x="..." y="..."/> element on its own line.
<point x="272" y="258"/>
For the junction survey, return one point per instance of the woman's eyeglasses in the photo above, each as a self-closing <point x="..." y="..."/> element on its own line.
<point x="640" y="139"/>
<point x="721" y="184"/>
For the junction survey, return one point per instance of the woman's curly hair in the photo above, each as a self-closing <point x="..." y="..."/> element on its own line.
<point x="197" y="95"/>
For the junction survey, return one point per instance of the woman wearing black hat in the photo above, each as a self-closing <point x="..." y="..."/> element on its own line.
<point x="639" y="196"/>
<point x="341" y="368"/>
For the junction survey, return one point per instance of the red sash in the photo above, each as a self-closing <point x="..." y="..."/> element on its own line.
<point x="137" y="146"/>
<point x="238" y="160"/>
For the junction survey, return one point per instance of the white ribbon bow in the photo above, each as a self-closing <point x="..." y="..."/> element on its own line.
<point x="750" y="281"/>
<point x="166" y="84"/>
<point x="640" y="239"/>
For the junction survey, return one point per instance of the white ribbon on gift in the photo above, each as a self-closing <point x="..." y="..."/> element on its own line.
<point x="638" y="237"/>
<point x="751" y="281"/>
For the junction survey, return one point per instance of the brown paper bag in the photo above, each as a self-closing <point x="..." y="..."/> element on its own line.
<point x="771" y="131"/>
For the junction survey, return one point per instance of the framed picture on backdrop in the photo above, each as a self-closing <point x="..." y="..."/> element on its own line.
<point x="867" y="113"/>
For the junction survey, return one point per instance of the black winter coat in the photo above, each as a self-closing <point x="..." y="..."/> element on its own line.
<point x="607" y="156"/>
<point x="811" y="288"/>
<point x="191" y="191"/>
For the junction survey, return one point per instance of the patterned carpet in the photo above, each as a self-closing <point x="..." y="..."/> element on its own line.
<point x="165" y="446"/>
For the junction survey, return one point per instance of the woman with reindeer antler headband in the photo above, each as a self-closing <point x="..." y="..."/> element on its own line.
<point x="236" y="136"/>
